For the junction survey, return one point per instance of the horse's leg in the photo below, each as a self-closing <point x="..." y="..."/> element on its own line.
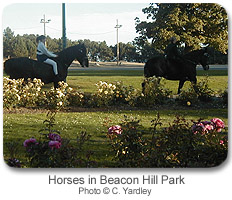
<point x="181" y="84"/>
<point x="194" y="82"/>
<point x="56" y="85"/>
<point x="143" y="87"/>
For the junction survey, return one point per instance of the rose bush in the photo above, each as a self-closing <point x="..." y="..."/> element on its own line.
<point x="18" y="93"/>
<point x="111" y="94"/>
<point x="51" y="150"/>
<point x="182" y="144"/>
<point x="30" y="142"/>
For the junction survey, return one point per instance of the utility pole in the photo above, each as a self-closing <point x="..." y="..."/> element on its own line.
<point x="117" y="27"/>
<point x="44" y="21"/>
<point x="63" y="26"/>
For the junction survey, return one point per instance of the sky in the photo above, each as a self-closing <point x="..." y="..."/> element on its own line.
<point x="93" y="21"/>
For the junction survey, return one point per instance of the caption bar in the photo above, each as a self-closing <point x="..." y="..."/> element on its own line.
<point x="117" y="185"/>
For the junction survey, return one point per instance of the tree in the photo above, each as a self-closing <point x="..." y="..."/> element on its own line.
<point x="30" y="41"/>
<point x="19" y="47"/>
<point x="193" y="24"/>
<point x="97" y="51"/>
<point x="127" y="52"/>
<point x="8" y="37"/>
<point x="105" y="53"/>
<point x="54" y="45"/>
<point x="130" y="53"/>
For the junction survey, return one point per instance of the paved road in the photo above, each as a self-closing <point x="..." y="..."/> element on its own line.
<point x="78" y="67"/>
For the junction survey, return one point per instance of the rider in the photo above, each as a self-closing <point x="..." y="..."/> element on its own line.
<point x="172" y="51"/>
<point x="43" y="54"/>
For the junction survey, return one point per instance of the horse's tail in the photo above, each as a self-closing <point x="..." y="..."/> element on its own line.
<point x="18" y="67"/>
<point x="8" y="67"/>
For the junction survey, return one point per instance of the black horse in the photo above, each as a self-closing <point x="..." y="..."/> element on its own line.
<point x="27" y="68"/>
<point x="184" y="70"/>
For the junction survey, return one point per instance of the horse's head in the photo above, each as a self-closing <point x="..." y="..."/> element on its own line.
<point x="82" y="55"/>
<point x="204" y="59"/>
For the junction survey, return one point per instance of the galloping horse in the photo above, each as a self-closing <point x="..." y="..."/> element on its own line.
<point x="27" y="68"/>
<point x="160" y="66"/>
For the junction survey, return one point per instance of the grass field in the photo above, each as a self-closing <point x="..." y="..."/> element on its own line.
<point x="85" y="80"/>
<point x="21" y="126"/>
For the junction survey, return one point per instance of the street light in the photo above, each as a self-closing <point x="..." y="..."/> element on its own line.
<point x="117" y="27"/>
<point x="44" y="22"/>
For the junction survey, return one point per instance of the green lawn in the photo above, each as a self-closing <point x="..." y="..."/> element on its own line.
<point x="21" y="126"/>
<point x="85" y="80"/>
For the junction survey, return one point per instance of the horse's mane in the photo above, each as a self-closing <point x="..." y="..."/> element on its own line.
<point x="195" y="52"/>
<point x="71" y="49"/>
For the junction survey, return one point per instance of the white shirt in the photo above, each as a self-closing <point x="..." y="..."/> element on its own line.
<point x="41" y="49"/>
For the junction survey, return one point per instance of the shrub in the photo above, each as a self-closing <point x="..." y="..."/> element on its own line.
<point x="22" y="93"/>
<point x="56" y="97"/>
<point x="31" y="94"/>
<point x="224" y="96"/>
<point x="111" y="94"/>
<point x="203" y="91"/>
<point x="196" y="144"/>
<point x="153" y="92"/>
<point x="75" y="98"/>
<point x="11" y="97"/>
<point x="196" y="92"/>
<point x="181" y="144"/>
<point x="188" y="97"/>
<point x="127" y="143"/>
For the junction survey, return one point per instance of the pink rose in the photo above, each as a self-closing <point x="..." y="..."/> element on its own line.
<point x="221" y="142"/>
<point x="29" y="142"/>
<point x="218" y="124"/>
<point x="208" y="127"/>
<point x="54" y="137"/>
<point x="198" y="128"/>
<point x="115" y="130"/>
<point x="54" y="144"/>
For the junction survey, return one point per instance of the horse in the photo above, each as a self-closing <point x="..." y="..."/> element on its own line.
<point x="160" y="66"/>
<point x="24" y="67"/>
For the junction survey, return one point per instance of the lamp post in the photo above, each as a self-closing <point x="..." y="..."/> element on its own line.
<point x="63" y="26"/>
<point x="117" y="27"/>
<point x="44" y="21"/>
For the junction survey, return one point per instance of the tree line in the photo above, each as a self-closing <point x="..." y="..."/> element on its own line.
<point x="25" y="46"/>
<point x="193" y="24"/>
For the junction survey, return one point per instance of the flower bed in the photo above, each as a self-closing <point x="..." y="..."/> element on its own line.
<point x="183" y="143"/>
<point x="17" y="93"/>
